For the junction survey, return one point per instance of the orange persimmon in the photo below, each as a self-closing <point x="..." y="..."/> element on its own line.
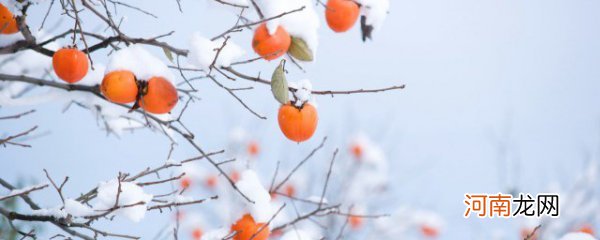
<point x="235" y="176"/>
<point x="186" y="182"/>
<point x="341" y="15"/>
<point x="70" y="64"/>
<point x="197" y="233"/>
<point x="211" y="181"/>
<point x="246" y="227"/>
<point x="8" y="24"/>
<point x="357" y="150"/>
<point x="290" y="191"/>
<point x="355" y="222"/>
<point x="271" y="46"/>
<point x="159" y="96"/>
<point x="586" y="229"/>
<point x="119" y="87"/>
<point x="253" y="148"/>
<point x="298" y="124"/>
<point x="429" y="231"/>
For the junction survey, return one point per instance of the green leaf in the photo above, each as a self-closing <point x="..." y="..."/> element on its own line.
<point x="168" y="53"/>
<point x="300" y="50"/>
<point x="279" y="85"/>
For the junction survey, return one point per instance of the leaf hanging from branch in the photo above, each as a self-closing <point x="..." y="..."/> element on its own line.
<point x="279" y="85"/>
<point x="300" y="50"/>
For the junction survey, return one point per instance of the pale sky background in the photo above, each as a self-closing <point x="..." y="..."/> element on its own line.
<point x="477" y="73"/>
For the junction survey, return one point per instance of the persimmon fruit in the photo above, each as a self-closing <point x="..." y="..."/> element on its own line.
<point x="290" y="191"/>
<point x="158" y="96"/>
<point x="587" y="229"/>
<point x="356" y="150"/>
<point x="271" y="46"/>
<point x="235" y="176"/>
<point x="8" y="24"/>
<point x="70" y="64"/>
<point x="298" y="124"/>
<point x="253" y="148"/>
<point x="185" y="182"/>
<point x="341" y="15"/>
<point x="197" y="233"/>
<point x="211" y="181"/>
<point x="246" y="227"/>
<point x="429" y="231"/>
<point x="119" y="87"/>
<point x="355" y="222"/>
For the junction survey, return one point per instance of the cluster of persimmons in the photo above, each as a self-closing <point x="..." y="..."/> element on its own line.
<point x="299" y="123"/>
<point x="341" y="15"/>
<point x="158" y="95"/>
<point x="155" y="95"/>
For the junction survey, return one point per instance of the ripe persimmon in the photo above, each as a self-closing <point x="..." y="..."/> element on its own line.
<point x="235" y="176"/>
<point x="341" y="15"/>
<point x="246" y="227"/>
<point x="70" y="64"/>
<point x="298" y="124"/>
<point x="586" y="229"/>
<point x="271" y="46"/>
<point x="253" y="148"/>
<point x="429" y="231"/>
<point x="8" y="24"/>
<point x="211" y="181"/>
<point x="159" y="96"/>
<point x="357" y="150"/>
<point x="197" y="233"/>
<point x="355" y="222"/>
<point x="119" y="87"/>
<point x="185" y="182"/>
<point x="290" y="191"/>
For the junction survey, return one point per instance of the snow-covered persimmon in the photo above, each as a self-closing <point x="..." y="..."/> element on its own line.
<point x="271" y="46"/>
<point x="355" y="222"/>
<point x="253" y="148"/>
<point x="298" y="123"/>
<point x="341" y="15"/>
<point x="197" y="233"/>
<point x="70" y="64"/>
<point x="119" y="87"/>
<point x="185" y="182"/>
<point x="8" y="24"/>
<point x="429" y="231"/>
<point x="159" y="96"/>
<point x="246" y="227"/>
<point x="586" y="229"/>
